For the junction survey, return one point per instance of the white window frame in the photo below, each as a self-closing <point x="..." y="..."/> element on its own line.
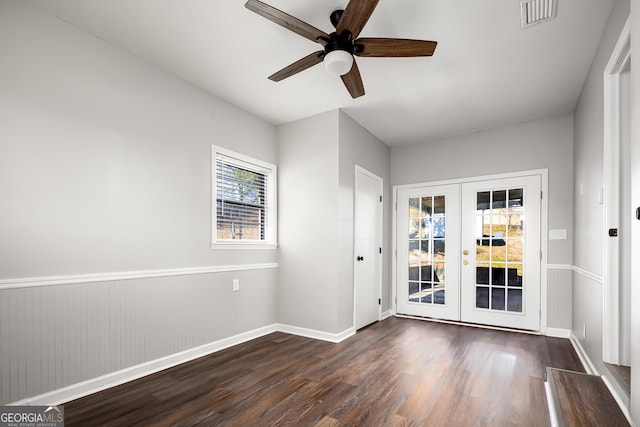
<point x="271" y="172"/>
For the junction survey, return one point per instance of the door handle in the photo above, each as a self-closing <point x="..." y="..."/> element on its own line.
<point x="360" y="258"/>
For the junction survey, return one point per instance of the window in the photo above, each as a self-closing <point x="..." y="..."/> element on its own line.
<point x="244" y="214"/>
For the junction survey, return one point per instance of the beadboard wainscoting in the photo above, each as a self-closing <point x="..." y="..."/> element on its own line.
<point x="65" y="331"/>
<point x="559" y="297"/>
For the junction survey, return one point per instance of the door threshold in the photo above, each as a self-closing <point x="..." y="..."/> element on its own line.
<point x="473" y="325"/>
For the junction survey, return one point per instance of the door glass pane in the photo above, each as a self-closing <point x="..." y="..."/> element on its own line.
<point x="499" y="249"/>
<point x="427" y="250"/>
<point x="426" y="296"/>
<point x="514" y="303"/>
<point x="514" y="275"/>
<point x="438" y="293"/>
<point x="414" y="292"/>
<point x="497" y="299"/>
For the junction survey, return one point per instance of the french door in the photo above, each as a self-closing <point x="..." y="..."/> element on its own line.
<point x="471" y="252"/>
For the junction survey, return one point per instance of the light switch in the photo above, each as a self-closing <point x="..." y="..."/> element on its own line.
<point x="560" y="234"/>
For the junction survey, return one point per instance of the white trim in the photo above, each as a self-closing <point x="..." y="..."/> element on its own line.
<point x="386" y="314"/>
<point x="474" y="179"/>
<point x="271" y="227"/>
<point x="586" y="273"/>
<point x="559" y="267"/>
<point x="558" y="333"/>
<point x="587" y="364"/>
<point x="94" y="385"/>
<point x="553" y="414"/>
<point x="619" y="58"/>
<point x="318" y="335"/>
<point x="618" y="399"/>
<point x="31" y="282"/>
<point x="471" y="325"/>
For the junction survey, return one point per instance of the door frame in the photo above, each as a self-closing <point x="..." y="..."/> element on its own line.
<point x="363" y="171"/>
<point x="544" y="230"/>
<point x="620" y="56"/>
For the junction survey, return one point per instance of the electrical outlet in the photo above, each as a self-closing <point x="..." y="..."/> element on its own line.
<point x="236" y="284"/>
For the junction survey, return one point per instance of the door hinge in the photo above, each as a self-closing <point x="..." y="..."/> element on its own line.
<point x="380" y="250"/>
<point x="380" y="199"/>
<point x="379" y="301"/>
<point x="541" y="195"/>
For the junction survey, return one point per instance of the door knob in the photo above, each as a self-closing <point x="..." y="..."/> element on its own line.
<point x="465" y="262"/>
<point x="360" y="258"/>
<point x="466" y="252"/>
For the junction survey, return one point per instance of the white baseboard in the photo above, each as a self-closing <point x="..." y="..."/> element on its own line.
<point x="386" y="314"/>
<point x="617" y="398"/>
<point x="588" y="365"/>
<point x="558" y="333"/>
<point x="319" y="335"/>
<point x="94" y="385"/>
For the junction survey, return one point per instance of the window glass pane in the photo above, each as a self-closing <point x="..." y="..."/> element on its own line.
<point x="426" y="272"/>
<point x="439" y="226"/>
<point x="427" y="293"/>
<point x="438" y="205"/>
<point x="515" y="223"/>
<point x="483" y="253"/>
<point x="425" y="230"/>
<point x="516" y="199"/>
<point x="514" y="275"/>
<point x="514" y="303"/>
<point x="438" y="249"/>
<point x="515" y="250"/>
<point x="483" y="200"/>
<point x="414" y="228"/>
<point x="499" y="200"/>
<point x="414" y="292"/>
<point x="482" y="273"/>
<point x="414" y="207"/>
<point x="497" y="298"/>
<point x="438" y="272"/>
<point x="439" y="293"/>
<point x="424" y="247"/>
<point x="427" y="206"/>
<point x="482" y="297"/>
<point x="498" y="253"/>
<point x="414" y="273"/>
<point x="497" y="275"/>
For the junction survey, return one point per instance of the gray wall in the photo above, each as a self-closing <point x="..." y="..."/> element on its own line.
<point x="308" y="223"/>
<point x="543" y="144"/>
<point x="589" y="180"/>
<point x="105" y="167"/>
<point x="317" y="158"/>
<point x="357" y="146"/>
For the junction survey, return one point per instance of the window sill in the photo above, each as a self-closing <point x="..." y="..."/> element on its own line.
<point x="248" y="246"/>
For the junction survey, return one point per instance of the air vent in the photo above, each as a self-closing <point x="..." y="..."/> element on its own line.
<point x="535" y="11"/>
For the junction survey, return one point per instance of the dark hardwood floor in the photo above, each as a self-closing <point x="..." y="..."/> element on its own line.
<point x="398" y="372"/>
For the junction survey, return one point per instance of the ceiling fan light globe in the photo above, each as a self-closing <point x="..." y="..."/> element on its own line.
<point x="338" y="62"/>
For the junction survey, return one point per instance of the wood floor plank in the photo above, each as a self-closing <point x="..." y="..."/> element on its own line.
<point x="398" y="372"/>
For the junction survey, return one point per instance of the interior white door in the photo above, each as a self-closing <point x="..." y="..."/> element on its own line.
<point x="428" y="251"/>
<point x="367" y="247"/>
<point x="500" y="269"/>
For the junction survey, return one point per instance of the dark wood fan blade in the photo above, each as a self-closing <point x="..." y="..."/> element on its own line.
<point x="301" y="65"/>
<point x="353" y="81"/>
<point x="285" y="20"/>
<point x="383" y="47"/>
<point x="355" y="16"/>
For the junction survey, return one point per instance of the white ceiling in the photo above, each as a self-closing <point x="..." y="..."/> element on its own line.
<point x="486" y="72"/>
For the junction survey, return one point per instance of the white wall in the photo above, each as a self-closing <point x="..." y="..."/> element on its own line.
<point x="589" y="181"/>
<point x="543" y="144"/>
<point x="105" y="167"/>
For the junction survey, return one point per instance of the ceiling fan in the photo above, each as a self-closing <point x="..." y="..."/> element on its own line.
<point x="340" y="46"/>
